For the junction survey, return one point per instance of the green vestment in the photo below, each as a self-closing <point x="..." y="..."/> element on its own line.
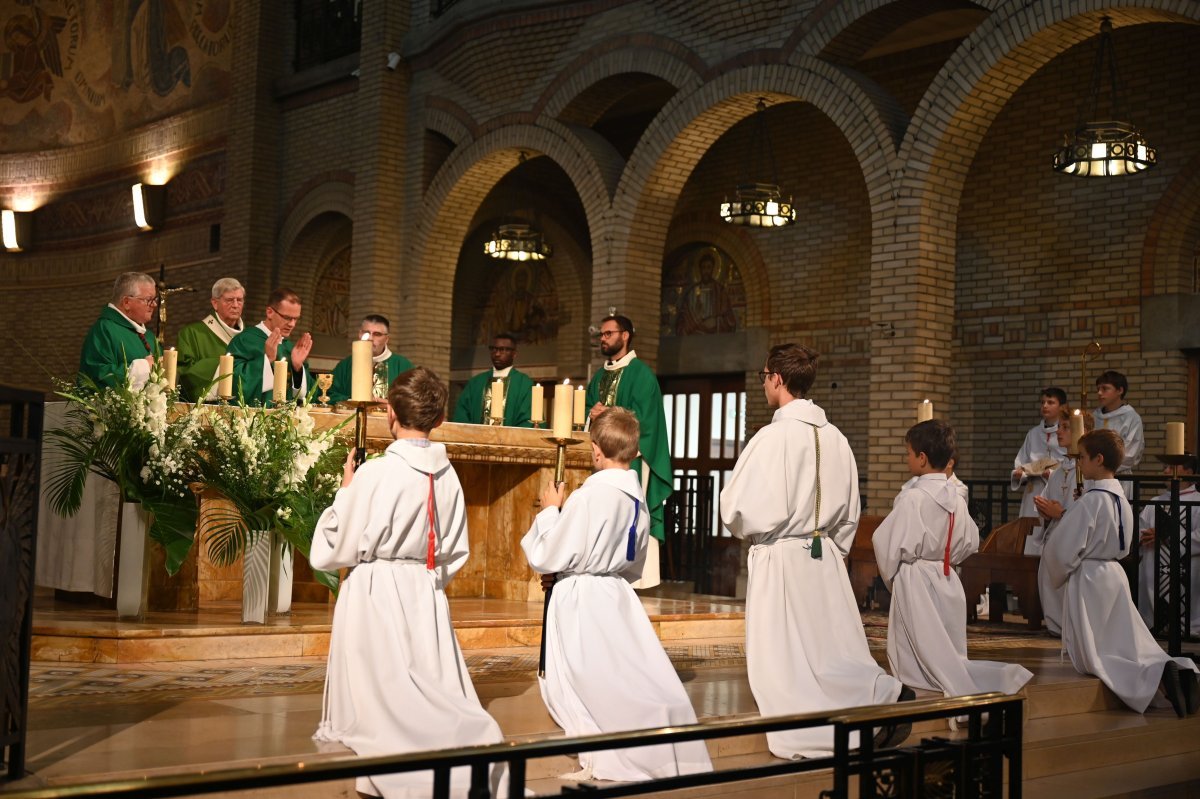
<point x="638" y="391"/>
<point x="111" y="345"/>
<point x="340" y="390"/>
<point x="248" y="351"/>
<point x="517" y="399"/>
<point x="200" y="351"/>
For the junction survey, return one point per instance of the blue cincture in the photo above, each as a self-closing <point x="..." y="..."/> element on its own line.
<point x="631" y="550"/>
<point x="1120" y="516"/>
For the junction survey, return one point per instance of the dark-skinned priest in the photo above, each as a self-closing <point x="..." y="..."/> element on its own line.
<point x="475" y="403"/>
<point x="388" y="365"/>
<point x="629" y="383"/>
<point x="201" y="344"/>
<point x="256" y="350"/>
<point x="120" y="343"/>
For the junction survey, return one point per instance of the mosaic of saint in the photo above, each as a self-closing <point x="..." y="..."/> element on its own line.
<point x="524" y="302"/>
<point x="702" y="292"/>
<point x="331" y="305"/>
<point x="73" y="71"/>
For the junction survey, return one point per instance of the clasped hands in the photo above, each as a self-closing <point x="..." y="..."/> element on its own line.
<point x="299" y="351"/>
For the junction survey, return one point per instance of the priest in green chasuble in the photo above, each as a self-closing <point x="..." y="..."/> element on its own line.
<point x="255" y="351"/>
<point x="201" y="344"/>
<point x="475" y="403"/>
<point x="388" y="365"/>
<point x="120" y="342"/>
<point x="629" y="383"/>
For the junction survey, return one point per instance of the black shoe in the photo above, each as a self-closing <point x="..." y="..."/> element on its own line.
<point x="1172" y="687"/>
<point x="1191" y="690"/>
<point x="895" y="734"/>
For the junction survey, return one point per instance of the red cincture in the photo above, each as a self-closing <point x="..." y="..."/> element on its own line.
<point x="432" y="527"/>
<point x="946" y="559"/>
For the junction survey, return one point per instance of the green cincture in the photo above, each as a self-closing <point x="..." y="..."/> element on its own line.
<point x="815" y="550"/>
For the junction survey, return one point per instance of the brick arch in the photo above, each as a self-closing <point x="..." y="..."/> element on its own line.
<point x="452" y="199"/>
<point x="323" y="194"/>
<point x="688" y="126"/>
<point x="832" y="19"/>
<point x="1173" y="236"/>
<point x="740" y="245"/>
<point x="307" y="253"/>
<point x="651" y="55"/>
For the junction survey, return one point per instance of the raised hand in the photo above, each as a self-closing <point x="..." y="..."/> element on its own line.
<point x="596" y="410"/>
<point x="300" y="352"/>
<point x="271" y="348"/>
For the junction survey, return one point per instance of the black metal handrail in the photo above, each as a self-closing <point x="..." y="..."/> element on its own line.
<point x="999" y="740"/>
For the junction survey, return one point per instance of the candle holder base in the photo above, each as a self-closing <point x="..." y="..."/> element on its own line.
<point x="1176" y="462"/>
<point x="560" y="462"/>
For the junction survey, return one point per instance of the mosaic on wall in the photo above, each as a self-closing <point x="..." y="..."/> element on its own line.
<point x="702" y="292"/>
<point x="73" y="71"/>
<point x="331" y="311"/>
<point x="524" y="302"/>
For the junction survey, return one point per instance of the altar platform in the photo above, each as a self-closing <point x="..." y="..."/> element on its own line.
<point x="64" y="632"/>
<point x="104" y="720"/>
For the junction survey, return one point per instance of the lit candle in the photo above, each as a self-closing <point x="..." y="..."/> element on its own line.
<point x="279" y="393"/>
<point x="580" y="412"/>
<point x="537" y="404"/>
<point x="171" y="365"/>
<point x="1175" y="438"/>
<point x="497" y="399"/>
<point x="561" y="420"/>
<point x="362" y="370"/>
<point x="925" y="411"/>
<point x="225" y="373"/>
<point x="1076" y="432"/>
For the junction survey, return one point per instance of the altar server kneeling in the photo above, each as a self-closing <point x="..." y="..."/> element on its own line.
<point x="396" y="679"/>
<point x="606" y="671"/>
<point x="927" y="534"/>
<point x="1101" y="628"/>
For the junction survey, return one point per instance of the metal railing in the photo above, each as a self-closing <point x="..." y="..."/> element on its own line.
<point x="991" y="504"/>
<point x="20" y="477"/>
<point x="976" y="765"/>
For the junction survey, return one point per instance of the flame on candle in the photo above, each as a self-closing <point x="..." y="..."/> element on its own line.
<point x="925" y="402"/>
<point x="365" y="337"/>
<point x="567" y="382"/>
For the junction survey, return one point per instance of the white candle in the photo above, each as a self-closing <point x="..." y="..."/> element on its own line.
<point x="561" y="421"/>
<point x="225" y="373"/>
<point x="362" y="370"/>
<point x="925" y="411"/>
<point x="580" y="411"/>
<point x="1076" y="432"/>
<point x="171" y="365"/>
<point x="1175" y="432"/>
<point x="279" y="393"/>
<point x="498" y="399"/>
<point x="537" y="404"/>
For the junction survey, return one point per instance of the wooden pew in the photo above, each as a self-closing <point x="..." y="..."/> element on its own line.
<point x="860" y="562"/>
<point x="999" y="564"/>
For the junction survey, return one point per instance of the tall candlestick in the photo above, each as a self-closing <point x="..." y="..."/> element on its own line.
<point x="171" y="365"/>
<point x="579" y="413"/>
<point x="1076" y="432"/>
<point x="537" y="404"/>
<point x="925" y="411"/>
<point x="225" y="375"/>
<point x="279" y="393"/>
<point x="561" y="421"/>
<point x="497" y="411"/>
<point x="1175" y="431"/>
<point x="362" y="370"/>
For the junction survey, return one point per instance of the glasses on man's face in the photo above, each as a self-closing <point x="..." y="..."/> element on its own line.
<point x="762" y="375"/>
<point x="503" y="349"/>
<point x="610" y="333"/>
<point x="285" y="317"/>
<point x="149" y="302"/>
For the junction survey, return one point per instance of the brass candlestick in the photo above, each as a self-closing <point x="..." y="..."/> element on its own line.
<point x="560" y="461"/>
<point x="361" y="408"/>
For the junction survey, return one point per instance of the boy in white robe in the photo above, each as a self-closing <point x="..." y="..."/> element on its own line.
<point x="1056" y="498"/>
<point x="1101" y="628"/>
<point x="396" y="679"/>
<point x="1191" y="517"/>
<point x="1120" y="417"/>
<point x="794" y="496"/>
<point x="928" y="532"/>
<point x="1041" y="443"/>
<point x="606" y="670"/>
<point x="959" y="486"/>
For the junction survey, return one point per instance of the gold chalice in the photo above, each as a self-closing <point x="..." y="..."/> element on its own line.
<point x="324" y="381"/>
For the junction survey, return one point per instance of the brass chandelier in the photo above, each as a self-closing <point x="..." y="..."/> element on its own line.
<point x="759" y="204"/>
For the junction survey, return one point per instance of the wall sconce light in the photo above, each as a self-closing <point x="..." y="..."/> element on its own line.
<point x="17" y="227"/>
<point x="149" y="205"/>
